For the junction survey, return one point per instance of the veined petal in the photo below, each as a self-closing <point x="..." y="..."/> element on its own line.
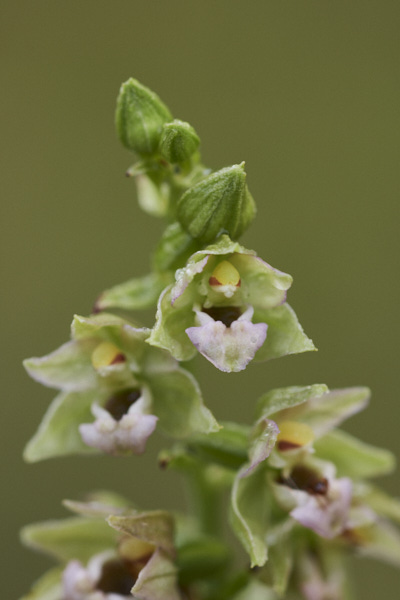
<point x="228" y="348"/>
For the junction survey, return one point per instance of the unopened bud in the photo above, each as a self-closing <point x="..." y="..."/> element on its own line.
<point x="220" y="203"/>
<point x="179" y="141"/>
<point x="140" y="117"/>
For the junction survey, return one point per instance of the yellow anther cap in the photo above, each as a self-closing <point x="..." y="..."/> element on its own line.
<point x="294" y="435"/>
<point x="106" y="354"/>
<point x="225" y="274"/>
<point x="134" y="549"/>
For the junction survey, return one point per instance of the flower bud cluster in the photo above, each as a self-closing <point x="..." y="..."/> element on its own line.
<point x="300" y="496"/>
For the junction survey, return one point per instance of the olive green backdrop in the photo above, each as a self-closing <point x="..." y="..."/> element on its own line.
<point x="308" y="94"/>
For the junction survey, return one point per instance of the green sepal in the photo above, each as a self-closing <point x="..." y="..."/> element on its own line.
<point x="382" y="542"/>
<point x="69" y="367"/>
<point x="219" y="203"/>
<point x="178" y="404"/>
<point x="136" y="294"/>
<point x="326" y="412"/>
<point x="140" y="116"/>
<point x="283" y="398"/>
<point x="285" y="335"/>
<point x="179" y="141"/>
<point x="249" y="511"/>
<point x="100" y="504"/>
<point x="352" y="457"/>
<point x="73" y="538"/>
<point x="154" y="527"/>
<point x="174" y="248"/>
<point x="169" y="329"/>
<point x="48" y="587"/>
<point x="58" y="433"/>
<point x="202" y="558"/>
<point x="383" y="504"/>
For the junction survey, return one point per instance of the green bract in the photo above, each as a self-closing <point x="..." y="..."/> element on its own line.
<point x="221" y="203"/>
<point x="159" y="390"/>
<point x="231" y="319"/>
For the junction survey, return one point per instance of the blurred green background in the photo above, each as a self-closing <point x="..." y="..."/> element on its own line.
<point x="308" y="94"/>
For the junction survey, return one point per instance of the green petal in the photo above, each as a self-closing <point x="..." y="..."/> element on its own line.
<point x="283" y="398"/>
<point x="285" y="334"/>
<point x="135" y="294"/>
<point x="383" y="504"/>
<point x="262" y="285"/>
<point x="382" y="543"/>
<point x="58" y="432"/>
<point x="352" y="457"/>
<point x="68" y="368"/>
<point x="169" y="329"/>
<point x="157" y="580"/>
<point x="249" y="507"/>
<point x="48" y="587"/>
<point x="110" y="328"/>
<point x="177" y="402"/>
<point x="74" y="538"/>
<point x="155" y="527"/>
<point x="325" y="412"/>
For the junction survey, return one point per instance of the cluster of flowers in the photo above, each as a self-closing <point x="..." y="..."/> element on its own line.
<point x="299" y="499"/>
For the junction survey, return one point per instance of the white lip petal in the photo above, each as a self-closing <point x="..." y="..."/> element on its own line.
<point x="328" y="516"/>
<point x="129" y="434"/>
<point x="228" y="348"/>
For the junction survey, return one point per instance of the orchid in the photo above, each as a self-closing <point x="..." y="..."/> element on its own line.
<point x="229" y="305"/>
<point x="300" y="496"/>
<point x="108" y="372"/>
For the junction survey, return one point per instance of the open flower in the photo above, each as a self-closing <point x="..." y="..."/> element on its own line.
<point x="128" y="554"/>
<point x="108" y="372"/>
<point x="123" y="425"/>
<point x="315" y="498"/>
<point x="230" y="306"/>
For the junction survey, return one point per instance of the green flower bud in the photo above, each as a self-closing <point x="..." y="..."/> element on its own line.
<point x="220" y="203"/>
<point x="179" y="141"/>
<point x="140" y="117"/>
